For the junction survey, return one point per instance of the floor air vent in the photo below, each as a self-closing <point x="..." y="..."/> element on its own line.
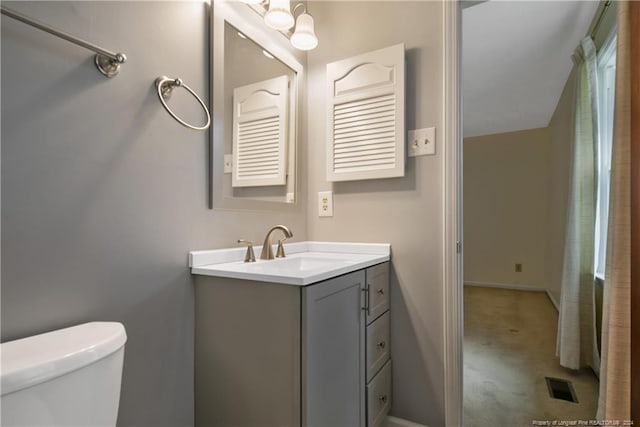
<point x="561" y="389"/>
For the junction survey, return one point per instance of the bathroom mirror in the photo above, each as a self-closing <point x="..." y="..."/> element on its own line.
<point x="256" y="86"/>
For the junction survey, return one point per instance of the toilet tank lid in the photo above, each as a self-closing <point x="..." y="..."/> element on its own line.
<point x="39" y="358"/>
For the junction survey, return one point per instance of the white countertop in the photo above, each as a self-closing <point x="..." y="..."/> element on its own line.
<point x="305" y="263"/>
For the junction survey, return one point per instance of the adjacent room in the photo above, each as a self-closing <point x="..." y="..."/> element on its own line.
<point x="537" y="156"/>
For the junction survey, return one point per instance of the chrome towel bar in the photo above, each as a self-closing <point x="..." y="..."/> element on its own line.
<point x="108" y="63"/>
<point x="165" y="86"/>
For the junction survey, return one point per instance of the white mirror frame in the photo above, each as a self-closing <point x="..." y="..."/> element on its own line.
<point x="247" y="20"/>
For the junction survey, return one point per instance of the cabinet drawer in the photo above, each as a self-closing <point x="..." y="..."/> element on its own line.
<point x="379" y="397"/>
<point x="378" y="348"/>
<point x="378" y="290"/>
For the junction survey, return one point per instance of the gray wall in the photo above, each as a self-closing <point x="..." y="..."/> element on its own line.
<point x="406" y="212"/>
<point x="104" y="194"/>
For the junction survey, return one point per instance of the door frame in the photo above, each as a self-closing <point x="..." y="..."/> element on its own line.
<point x="452" y="210"/>
<point x="634" y="27"/>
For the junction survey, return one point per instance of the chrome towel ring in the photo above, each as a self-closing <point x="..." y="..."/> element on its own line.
<point x="165" y="86"/>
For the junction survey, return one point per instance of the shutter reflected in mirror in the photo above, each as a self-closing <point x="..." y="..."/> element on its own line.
<point x="365" y="128"/>
<point x="260" y="125"/>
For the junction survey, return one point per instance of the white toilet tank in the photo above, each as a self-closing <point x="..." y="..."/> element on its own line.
<point x="68" y="377"/>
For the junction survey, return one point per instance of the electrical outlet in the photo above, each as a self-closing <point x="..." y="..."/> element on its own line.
<point x="422" y="142"/>
<point x="518" y="268"/>
<point x="325" y="203"/>
<point x="228" y="163"/>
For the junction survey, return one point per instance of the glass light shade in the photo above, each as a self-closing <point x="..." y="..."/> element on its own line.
<point x="279" y="15"/>
<point x="304" y="38"/>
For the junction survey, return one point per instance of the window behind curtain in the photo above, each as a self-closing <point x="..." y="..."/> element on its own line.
<point x="606" y="97"/>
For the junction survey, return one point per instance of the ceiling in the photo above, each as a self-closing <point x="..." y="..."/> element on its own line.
<point x="516" y="58"/>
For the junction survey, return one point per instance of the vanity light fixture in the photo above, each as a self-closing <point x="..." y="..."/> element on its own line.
<point x="277" y="15"/>
<point x="304" y="36"/>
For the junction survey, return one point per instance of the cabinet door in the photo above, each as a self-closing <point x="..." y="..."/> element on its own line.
<point x="260" y="133"/>
<point x="365" y="111"/>
<point x="333" y="358"/>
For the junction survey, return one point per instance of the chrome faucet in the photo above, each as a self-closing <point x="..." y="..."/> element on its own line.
<point x="267" y="252"/>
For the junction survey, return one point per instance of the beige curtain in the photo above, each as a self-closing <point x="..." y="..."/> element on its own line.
<point x="615" y="371"/>
<point x="576" y="340"/>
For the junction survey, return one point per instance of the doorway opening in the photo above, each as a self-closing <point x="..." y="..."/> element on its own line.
<point x="518" y="99"/>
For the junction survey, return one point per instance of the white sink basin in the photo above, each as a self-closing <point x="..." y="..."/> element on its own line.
<point x="296" y="263"/>
<point x="306" y="262"/>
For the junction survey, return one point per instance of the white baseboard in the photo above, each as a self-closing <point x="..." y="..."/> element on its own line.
<point x="553" y="301"/>
<point x="516" y="287"/>
<point x="399" y="422"/>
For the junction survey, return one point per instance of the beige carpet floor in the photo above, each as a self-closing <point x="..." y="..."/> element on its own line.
<point x="509" y="348"/>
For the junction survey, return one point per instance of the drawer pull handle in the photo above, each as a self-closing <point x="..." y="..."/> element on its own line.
<point x="380" y="291"/>
<point x="382" y="344"/>
<point x="382" y="398"/>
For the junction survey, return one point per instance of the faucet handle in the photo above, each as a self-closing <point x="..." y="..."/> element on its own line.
<point x="249" y="256"/>
<point x="280" y="250"/>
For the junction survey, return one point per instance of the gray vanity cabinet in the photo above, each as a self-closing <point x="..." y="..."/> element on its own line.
<point x="271" y="354"/>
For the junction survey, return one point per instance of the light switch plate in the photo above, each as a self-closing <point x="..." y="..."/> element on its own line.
<point x="325" y="203"/>
<point x="422" y="142"/>
<point x="228" y="163"/>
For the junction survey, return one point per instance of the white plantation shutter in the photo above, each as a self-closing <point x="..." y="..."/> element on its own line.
<point x="365" y="129"/>
<point x="260" y="125"/>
